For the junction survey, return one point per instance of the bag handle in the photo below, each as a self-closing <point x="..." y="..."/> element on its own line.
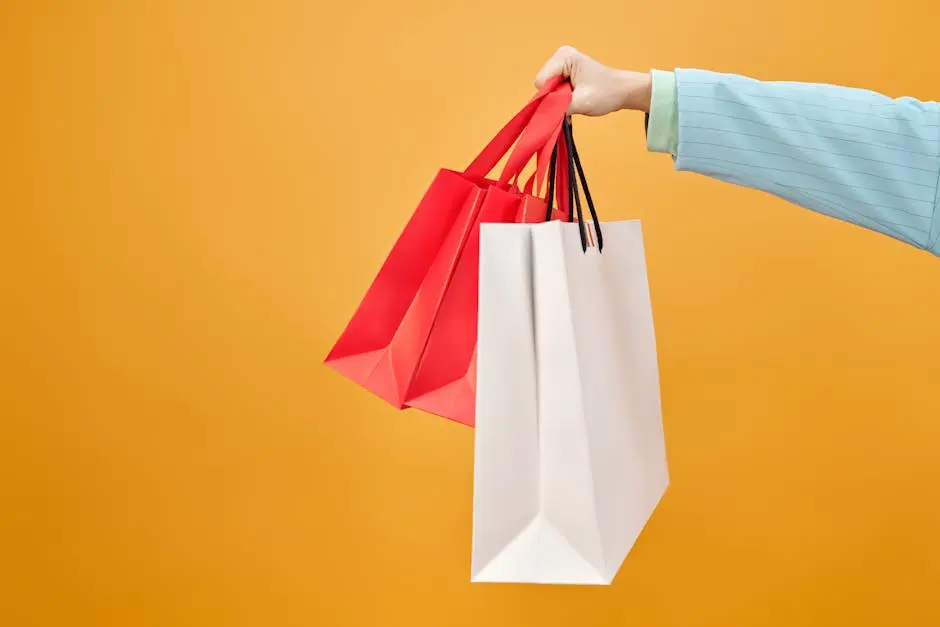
<point x="559" y="181"/>
<point x="551" y="183"/>
<point x="545" y="157"/>
<point x="484" y="163"/>
<point x="573" y="166"/>
<point x="541" y="132"/>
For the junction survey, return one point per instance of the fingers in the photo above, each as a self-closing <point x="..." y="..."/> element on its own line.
<point x="559" y="65"/>
<point x="568" y="63"/>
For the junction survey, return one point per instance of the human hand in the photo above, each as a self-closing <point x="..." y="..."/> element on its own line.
<point x="598" y="89"/>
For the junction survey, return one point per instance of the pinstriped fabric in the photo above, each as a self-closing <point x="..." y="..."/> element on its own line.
<point x="850" y="154"/>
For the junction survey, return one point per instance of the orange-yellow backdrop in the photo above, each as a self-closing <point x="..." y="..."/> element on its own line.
<point x="195" y="195"/>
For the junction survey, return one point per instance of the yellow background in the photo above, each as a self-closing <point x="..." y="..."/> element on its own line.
<point x="196" y="194"/>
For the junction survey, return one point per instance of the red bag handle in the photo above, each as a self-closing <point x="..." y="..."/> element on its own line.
<point x="543" y="163"/>
<point x="560" y="182"/>
<point x="539" y="136"/>
<point x="507" y="136"/>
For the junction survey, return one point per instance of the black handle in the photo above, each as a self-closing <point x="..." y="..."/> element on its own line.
<point x="574" y="162"/>
<point x="552" y="171"/>
<point x="574" y="168"/>
<point x="551" y="184"/>
<point x="574" y="196"/>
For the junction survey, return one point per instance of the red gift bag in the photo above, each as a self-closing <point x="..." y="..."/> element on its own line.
<point x="412" y="340"/>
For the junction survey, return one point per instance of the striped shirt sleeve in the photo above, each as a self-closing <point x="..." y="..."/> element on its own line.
<point x="850" y="154"/>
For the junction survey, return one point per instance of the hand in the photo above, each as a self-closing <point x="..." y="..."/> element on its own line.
<point x="598" y="90"/>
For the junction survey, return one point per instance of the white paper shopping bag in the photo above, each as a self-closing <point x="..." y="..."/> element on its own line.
<point x="570" y="459"/>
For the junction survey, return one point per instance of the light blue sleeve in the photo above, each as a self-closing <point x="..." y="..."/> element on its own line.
<point x="850" y="154"/>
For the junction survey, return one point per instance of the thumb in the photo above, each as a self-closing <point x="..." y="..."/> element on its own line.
<point x="580" y="101"/>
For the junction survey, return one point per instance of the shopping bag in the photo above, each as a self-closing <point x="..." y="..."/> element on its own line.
<point x="445" y="381"/>
<point x="569" y="458"/>
<point x="412" y="339"/>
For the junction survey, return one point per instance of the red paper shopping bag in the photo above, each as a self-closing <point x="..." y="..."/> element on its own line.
<point x="445" y="383"/>
<point x="412" y="338"/>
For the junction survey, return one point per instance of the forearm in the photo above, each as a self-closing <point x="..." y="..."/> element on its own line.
<point x="851" y="154"/>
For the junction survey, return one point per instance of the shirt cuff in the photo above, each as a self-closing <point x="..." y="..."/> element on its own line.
<point x="662" y="132"/>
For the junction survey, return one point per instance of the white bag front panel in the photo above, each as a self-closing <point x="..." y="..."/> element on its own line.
<point x="570" y="459"/>
<point x="619" y="377"/>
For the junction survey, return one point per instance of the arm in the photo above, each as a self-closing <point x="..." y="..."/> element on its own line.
<point x="851" y="154"/>
<point x="847" y="153"/>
